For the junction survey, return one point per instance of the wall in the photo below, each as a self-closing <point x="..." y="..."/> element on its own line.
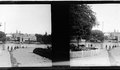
<point x="80" y="54"/>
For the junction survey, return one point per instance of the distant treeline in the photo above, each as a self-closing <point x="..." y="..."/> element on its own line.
<point x="44" y="39"/>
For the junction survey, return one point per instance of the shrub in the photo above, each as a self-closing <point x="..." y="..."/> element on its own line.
<point x="44" y="52"/>
<point x="75" y="48"/>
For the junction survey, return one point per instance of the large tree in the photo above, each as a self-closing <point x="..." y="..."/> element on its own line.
<point x="39" y="38"/>
<point x="81" y="19"/>
<point x="2" y="36"/>
<point x="96" y="35"/>
<point x="46" y="39"/>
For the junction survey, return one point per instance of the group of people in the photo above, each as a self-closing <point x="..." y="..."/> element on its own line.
<point x="14" y="48"/>
<point x="110" y="47"/>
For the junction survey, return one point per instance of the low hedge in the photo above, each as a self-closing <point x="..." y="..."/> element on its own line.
<point x="47" y="52"/>
<point x="80" y="48"/>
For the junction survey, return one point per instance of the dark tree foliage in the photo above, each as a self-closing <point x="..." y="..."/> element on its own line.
<point x="39" y="38"/>
<point x="106" y="37"/>
<point x="81" y="19"/>
<point x="46" y="39"/>
<point x="96" y="35"/>
<point x="47" y="52"/>
<point x="7" y="39"/>
<point x="2" y="36"/>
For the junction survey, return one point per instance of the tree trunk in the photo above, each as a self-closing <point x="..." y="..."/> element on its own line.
<point x="78" y="41"/>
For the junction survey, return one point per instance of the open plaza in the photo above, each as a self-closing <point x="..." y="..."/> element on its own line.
<point x="22" y="57"/>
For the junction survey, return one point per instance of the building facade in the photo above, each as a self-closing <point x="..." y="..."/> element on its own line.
<point x="20" y="37"/>
<point x="112" y="36"/>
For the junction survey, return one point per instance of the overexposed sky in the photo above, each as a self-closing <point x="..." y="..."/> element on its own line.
<point x="108" y="16"/>
<point x="27" y="18"/>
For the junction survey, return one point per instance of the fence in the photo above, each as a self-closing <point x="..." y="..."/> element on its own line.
<point x="80" y="54"/>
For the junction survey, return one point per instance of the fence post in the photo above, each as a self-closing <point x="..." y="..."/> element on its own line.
<point x="82" y="53"/>
<point x="90" y="52"/>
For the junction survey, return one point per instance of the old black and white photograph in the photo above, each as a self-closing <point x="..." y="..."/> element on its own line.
<point x="25" y="35"/>
<point x="95" y="35"/>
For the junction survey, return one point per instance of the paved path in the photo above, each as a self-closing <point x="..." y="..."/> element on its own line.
<point x="5" y="60"/>
<point x="112" y="59"/>
<point x="100" y="60"/>
<point x="61" y="63"/>
<point x="115" y="56"/>
<point x="25" y="57"/>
